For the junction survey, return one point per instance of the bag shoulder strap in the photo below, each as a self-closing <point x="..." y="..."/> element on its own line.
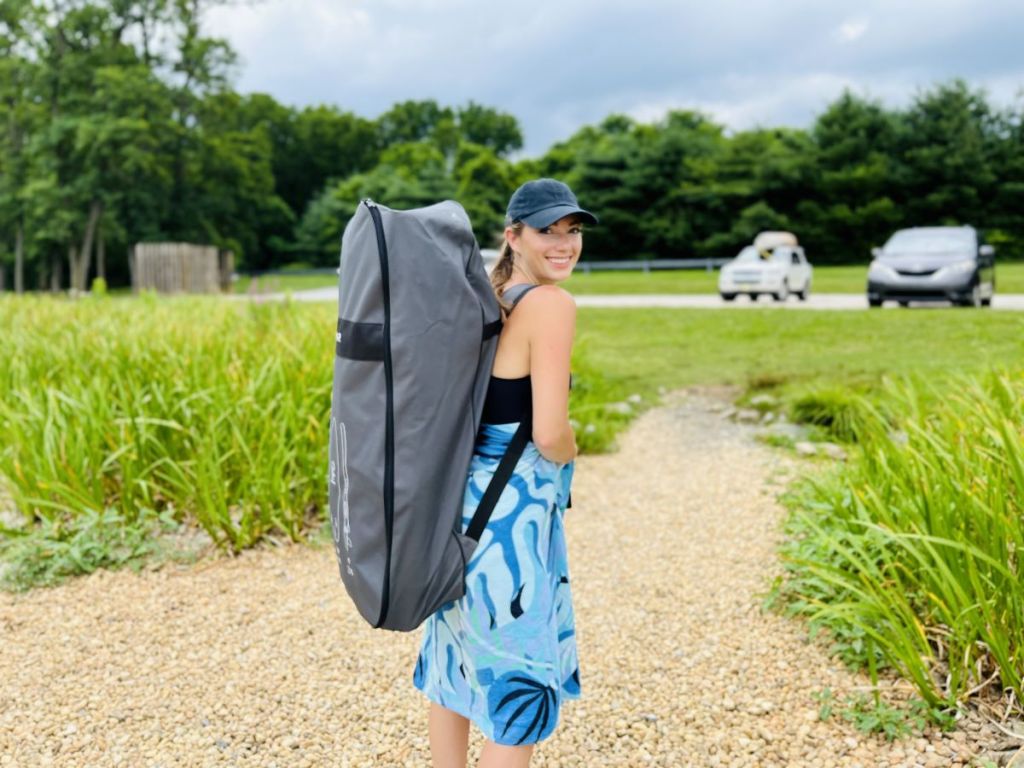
<point x="501" y="476"/>
<point x="513" y="452"/>
<point x="516" y="293"/>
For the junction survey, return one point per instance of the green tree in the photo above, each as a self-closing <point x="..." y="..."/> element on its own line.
<point x="498" y="131"/>
<point x="102" y="157"/>
<point x="1005" y="221"/>
<point x="439" y="163"/>
<point x="329" y="145"/>
<point x="414" y="121"/>
<point x="71" y="41"/>
<point x="19" y="118"/>
<point x="859" y="164"/>
<point x="410" y="175"/>
<point x="233" y="196"/>
<point x="116" y="157"/>
<point x="620" y="169"/>
<point x="485" y="183"/>
<point x="411" y="121"/>
<point x="600" y="161"/>
<point x="948" y="144"/>
<point x="199" y="69"/>
<point x="675" y="168"/>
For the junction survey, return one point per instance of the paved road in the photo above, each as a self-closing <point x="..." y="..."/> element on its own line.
<point x="713" y="301"/>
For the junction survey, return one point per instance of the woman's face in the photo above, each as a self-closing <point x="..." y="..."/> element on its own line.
<point x="547" y="255"/>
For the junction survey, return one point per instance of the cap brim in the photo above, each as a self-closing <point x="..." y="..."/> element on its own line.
<point x="548" y="216"/>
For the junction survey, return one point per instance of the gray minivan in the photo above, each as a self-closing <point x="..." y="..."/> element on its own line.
<point x="933" y="263"/>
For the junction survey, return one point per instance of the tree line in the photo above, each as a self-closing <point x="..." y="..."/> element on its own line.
<point x="119" y="124"/>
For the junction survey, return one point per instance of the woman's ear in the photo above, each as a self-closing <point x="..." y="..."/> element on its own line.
<point x="511" y="237"/>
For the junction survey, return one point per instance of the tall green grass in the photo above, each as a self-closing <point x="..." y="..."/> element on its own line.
<point x="213" y="409"/>
<point x="910" y="553"/>
<point x="205" y="411"/>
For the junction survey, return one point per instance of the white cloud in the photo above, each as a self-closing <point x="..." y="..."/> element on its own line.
<point x="852" y="30"/>
<point x="746" y="102"/>
<point x="281" y="43"/>
<point x="558" y="66"/>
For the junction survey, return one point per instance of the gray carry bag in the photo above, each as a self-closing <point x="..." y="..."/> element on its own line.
<point x="418" y="325"/>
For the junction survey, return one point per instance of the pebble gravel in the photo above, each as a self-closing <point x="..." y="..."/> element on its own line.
<point x="260" y="659"/>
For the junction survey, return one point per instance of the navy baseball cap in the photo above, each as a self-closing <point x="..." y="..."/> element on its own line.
<point x="542" y="202"/>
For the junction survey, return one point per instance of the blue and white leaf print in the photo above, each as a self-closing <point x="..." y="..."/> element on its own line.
<point x="504" y="655"/>
<point x="522" y="709"/>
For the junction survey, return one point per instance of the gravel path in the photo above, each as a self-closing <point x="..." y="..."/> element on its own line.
<point x="260" y="660"/>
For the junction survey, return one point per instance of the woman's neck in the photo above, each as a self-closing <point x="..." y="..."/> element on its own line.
<point x="520" y="275"/>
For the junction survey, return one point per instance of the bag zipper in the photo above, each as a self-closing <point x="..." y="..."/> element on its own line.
<point x="389" y="416"/>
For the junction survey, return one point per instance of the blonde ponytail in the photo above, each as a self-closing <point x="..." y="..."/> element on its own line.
<point x="502" y="271"/>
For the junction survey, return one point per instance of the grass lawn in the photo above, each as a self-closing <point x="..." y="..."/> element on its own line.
<point x="1009" y="279"/>
<point x="825" y="280"/>
<point x="642" y="349"/>
<point x="280" y="282"/>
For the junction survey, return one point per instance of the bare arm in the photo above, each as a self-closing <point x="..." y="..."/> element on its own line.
<point x="551" y="326"/>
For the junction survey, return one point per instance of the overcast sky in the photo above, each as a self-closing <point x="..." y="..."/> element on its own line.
<point x="558" y="66"/>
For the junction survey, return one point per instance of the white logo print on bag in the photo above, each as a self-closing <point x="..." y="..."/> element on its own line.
<point x="340" y="526"/>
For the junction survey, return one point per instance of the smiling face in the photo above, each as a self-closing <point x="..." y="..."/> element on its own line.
<point x="547" y="256"/>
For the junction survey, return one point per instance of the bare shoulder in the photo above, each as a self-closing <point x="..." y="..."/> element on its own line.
<point x="548" y="302"/>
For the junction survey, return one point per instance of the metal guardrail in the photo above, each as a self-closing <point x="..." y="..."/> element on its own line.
<point x="586" y="267"/>
<point x="646" y="265"/>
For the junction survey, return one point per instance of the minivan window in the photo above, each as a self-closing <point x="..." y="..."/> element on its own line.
<point x="930" y="241"/>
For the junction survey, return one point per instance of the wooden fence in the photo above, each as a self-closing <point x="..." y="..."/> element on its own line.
<point x="181" y="268"/>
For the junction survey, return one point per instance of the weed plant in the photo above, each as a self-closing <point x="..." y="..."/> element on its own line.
<point x="872" y="714"/>
<point x="48" y="553"/>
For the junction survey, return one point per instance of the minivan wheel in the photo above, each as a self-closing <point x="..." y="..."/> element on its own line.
<point x="973" y="299"/>
<point x="783" y="293"/>
<point x="987" y="301"/>
<point x="876" y="303"/>
<point x="728" y="296"/>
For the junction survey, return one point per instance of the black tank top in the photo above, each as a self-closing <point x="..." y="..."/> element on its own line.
<point x="507" y="400"/>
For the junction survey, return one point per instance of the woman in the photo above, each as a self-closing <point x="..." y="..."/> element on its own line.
<point x="504" y="655"/>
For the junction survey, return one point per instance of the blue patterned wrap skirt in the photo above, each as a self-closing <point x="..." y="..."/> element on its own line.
<point x="504" y="654"/>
